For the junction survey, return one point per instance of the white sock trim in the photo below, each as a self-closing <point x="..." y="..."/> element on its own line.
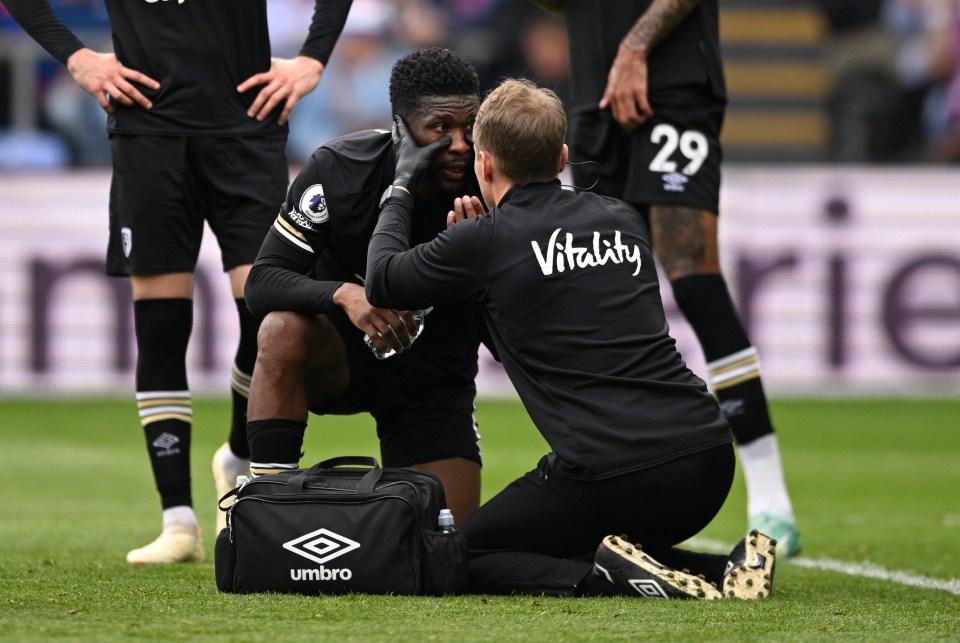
<point x="274" y="465"/>
<point x="180" y="515"/>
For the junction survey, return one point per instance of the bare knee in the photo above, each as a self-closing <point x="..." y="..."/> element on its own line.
<point x="282" y="339"/>
<point x="305" y="351"/>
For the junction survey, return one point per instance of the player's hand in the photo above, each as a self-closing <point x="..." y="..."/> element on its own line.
<point x="626" y="91"/>
<point x="288" y="80"/>
<point x="103" y="77"/>
<point x="412" y="160"/>
<point x="387" y="329"/>
<point x="465" y="207"/>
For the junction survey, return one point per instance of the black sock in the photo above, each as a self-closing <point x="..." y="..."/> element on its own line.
<point x="163" y="399"/>
<point x="275" y="441"/>
<point x="243" y="363"/>
<point x="734" y="370"/>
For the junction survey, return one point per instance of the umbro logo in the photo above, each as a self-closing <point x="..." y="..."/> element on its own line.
<point x="643" y="586"/>
<point x="647" y="587"/>
<point x="675" y="182"/>
<point x="166" y="441"/>
<point x="321" y="545"/>
<point x="733" y="408"/>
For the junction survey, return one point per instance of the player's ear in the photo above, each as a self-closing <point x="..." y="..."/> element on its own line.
<point x="563" y="158"/>
<point x="486" y="166"/>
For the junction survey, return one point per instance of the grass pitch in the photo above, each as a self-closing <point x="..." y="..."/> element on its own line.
<point x="876" y="487"/>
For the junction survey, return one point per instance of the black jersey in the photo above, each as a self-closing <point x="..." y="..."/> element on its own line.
<point x="690" y="54"/>
<point x="572" y="301"/>
<point x="198" y="50"/>
<point x="319" y="241"/>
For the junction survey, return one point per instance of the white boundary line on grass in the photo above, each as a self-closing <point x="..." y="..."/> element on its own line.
<point x="865" y="570"/>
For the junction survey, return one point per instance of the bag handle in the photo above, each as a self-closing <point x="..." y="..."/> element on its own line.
<point x="366" y="484"/>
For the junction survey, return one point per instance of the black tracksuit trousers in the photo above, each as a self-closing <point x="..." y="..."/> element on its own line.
<point x="539" y="535"/>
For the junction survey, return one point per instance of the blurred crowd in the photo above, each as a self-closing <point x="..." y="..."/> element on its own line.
<point x="894" y="65"/>
<point x="896" y="79"/>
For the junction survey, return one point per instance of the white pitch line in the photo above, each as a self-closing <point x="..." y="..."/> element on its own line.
<point x="864" y="570"/>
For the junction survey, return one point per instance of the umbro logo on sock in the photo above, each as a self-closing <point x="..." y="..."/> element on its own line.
<point x="165" y="443"/>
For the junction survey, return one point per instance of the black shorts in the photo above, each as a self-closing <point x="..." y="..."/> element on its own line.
<point x="165" y="187"/>
<point x="673" y="158"/>
<point x="420" y="416"/>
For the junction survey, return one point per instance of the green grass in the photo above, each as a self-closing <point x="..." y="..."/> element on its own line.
<point x="872" y="482"/>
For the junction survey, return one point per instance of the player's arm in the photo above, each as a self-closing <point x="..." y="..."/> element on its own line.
<point x="444" y="269"/>
<point x="627" y="81"/>
<point x="301" y="233"/>
<point x="290" y="79"/>
<point x="448" y="268"/>
<point x="280" y="279"/>
<point x="99" y="74"/>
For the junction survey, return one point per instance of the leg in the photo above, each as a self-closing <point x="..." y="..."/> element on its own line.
<point x="244" y="179"/>
<point x="540" y="534"/>
<point x="461" y="484"/>
<point x="301" y="363"/>
<point x="232" y="459"/>
<point x="163" y="315"/>
<point x="526" y="539"/>
<point x="685" y="240"/>
<point x="430" y="425"/>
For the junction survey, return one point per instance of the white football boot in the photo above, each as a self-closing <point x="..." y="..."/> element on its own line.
<point x="176" y="544"/>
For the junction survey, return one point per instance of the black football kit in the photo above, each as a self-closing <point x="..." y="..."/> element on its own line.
<point x="674" y="157"/>
<point x="198" y="51"/>
<point x="318" y="242"/>
<point x="174" y="166"/>
<point x="571" y="298"/>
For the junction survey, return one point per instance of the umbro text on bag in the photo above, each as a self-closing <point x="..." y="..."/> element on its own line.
<point x="344" y="525"/>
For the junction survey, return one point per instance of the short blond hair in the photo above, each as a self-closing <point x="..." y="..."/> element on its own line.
<point x="524" y="126"/>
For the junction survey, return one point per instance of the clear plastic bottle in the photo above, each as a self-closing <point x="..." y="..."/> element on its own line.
<point x="445" y="522"/>
<point x="419" y="317"/>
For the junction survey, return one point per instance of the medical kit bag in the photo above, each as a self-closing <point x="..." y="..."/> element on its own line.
<point x="344" y="525"/>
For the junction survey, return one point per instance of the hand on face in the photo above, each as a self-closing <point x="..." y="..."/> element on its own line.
<point x="451" y="117"/>
<point x="412" y="160"/>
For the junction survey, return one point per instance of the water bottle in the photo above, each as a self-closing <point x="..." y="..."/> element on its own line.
<point x="419" y="317"/>
<point x="445" y="522"/>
